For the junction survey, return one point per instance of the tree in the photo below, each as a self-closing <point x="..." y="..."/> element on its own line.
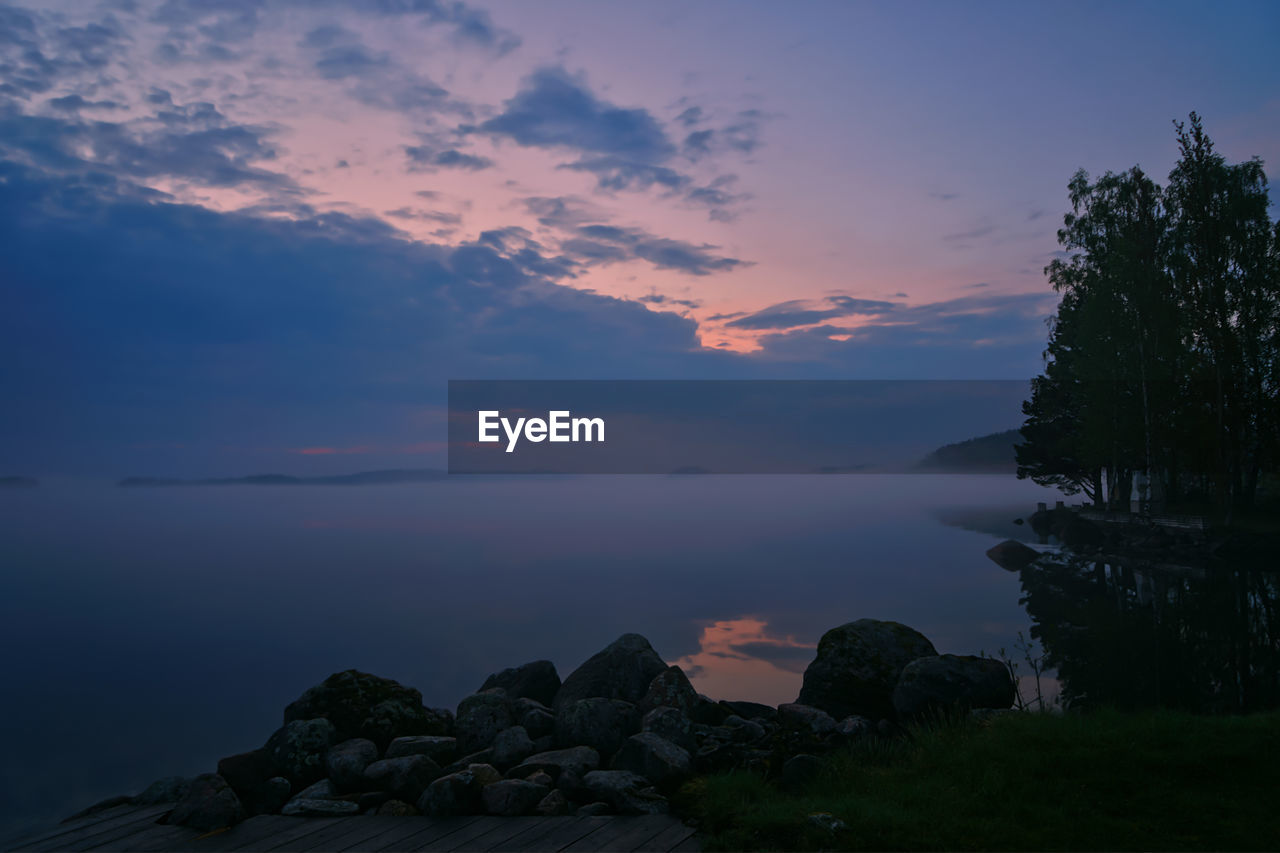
<point x="1164" y="353"/>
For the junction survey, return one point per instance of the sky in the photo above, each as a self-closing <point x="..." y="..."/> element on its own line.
<point x="245" y="236"/>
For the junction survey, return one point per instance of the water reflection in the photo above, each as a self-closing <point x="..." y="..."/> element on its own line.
<point x="1140" y="636"/>
<point x="742" y="658"/>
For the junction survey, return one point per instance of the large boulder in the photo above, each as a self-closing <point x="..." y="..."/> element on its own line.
<point x="439" y="749"/>
<point x="252" y="775"/>
<point x="512" y="746"/>
<point x="208" y="805"/>
<point x="454" y="794"/>
<point x="655" y="758"/>
<point x="480" y="717"/>
<point x="297" y="750"/>
<point x="578" y="760"/>
<point x="512" y="797"/>
<point x="602" y="724"/>
<point x="806" y="718"/>
<point x="941" y="683"/>
<point x="405" y="778"/>
<point x="366" y="706"/>
<point x="670" y="724"/>
<point x="346" y="762"/>
<point x="857" y="666"/>
<point x="537" y="680"/>
<point x="622" y="670"/>
<point x="670" y="688"/>
<point x="626" y="792"/>
<point x="1012" y="555"/>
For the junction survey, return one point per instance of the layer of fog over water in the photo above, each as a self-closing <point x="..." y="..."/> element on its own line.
<point x="151" y="631"/>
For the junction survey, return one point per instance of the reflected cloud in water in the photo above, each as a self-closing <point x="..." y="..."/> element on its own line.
<point x="741" y="658"/>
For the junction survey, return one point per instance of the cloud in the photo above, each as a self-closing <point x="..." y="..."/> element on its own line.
<point x="169" y="320"/>
<point x="597" y="244"/>
<point x="553" y="109"/>
<point x="192" y="142"/>
<point x="424" y="158"/>
<point x="798" y="312"/>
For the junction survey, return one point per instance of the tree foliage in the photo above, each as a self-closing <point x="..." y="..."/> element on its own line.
<point x="1164" y="354"/>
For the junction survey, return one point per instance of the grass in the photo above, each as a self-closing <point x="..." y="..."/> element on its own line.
<point x="1102" y="781"/>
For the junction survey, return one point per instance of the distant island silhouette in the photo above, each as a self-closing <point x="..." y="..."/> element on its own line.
<point x="362" y="478"/>
<point x="987" y="454"/>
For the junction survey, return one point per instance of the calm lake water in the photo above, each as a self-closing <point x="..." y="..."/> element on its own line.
<point x="150" y="631"/>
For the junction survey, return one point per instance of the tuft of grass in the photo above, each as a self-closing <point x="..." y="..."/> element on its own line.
<point x="1101" y="781"/>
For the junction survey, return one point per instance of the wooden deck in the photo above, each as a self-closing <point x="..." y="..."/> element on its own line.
<point x="134" y="828"/>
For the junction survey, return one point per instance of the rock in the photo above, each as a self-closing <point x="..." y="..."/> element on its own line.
<point x="752" y="710"/>
<point x="709" y="712"/>
<point x="602" y="724"/>
<point x="512" y="797"/>
<point x="247" y="774"/>
<point x="625" y="791"/>
<point x="800" y="771"/>
<point x="716" y="756"/>
<point x="554" y="804"/>
<point x="406" y="778"/>
<point x="672" y="725"/>
<point x="208" y="805"/>
<point x="398" y="808"/>
<point x="852" y="728"/>
<point x="370" y="801"/>
<point x="827" y="821"/>
<point x="480" y="717"/>
<point x="594" y="810"/>
<point x="297" y="750"/>
<point x="537" y="680"/>
<point x="170" y="789"/>
<point x="346" y="762"/>
<point x="512" y="746"/>
<point x="538" y="723"/>
<point x="484" y="756"/>
<point x="275" y="793"/>
<point x="857" y="666"/>
<point x="1012" y="555"/>
<point x="940" y="683"/>
<point x="671" y="688"/>
<point x="484" y="774"/>
<point x="622" y="670"/>
<point x="655" y="758"/>
<point x="744" y="731"/>
<point x="439" y="749"/>
<point x="366" y="706"/>
<point x="579" y="759"/>
<point x="541" y="777"/>
<point x="455" y="794"/>
<point x="322" y="790"/>
<point x="302" y="807"/>
<point x="806" y="718"/>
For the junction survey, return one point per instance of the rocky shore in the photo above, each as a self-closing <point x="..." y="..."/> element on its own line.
<point x="617" y="736"/>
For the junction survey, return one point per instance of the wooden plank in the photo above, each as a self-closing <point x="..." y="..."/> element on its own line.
<point x="112" y="836"/>
<point x="160" y="836"/>
<point x="74" y="835"/>
<point x="289" y="836"/>
<point x="35" y="836"/>
<point x="668" y="838"/>
<point x="530" y="839"/>
<point x="566" y="834"/>
<point x="421" y="830"/>
<point x="460" y="840"/>
<point x="351" y="832"/>
<point x="256" y="830"/>
<point x="504" y="829"/>
<point x="689" y="845"/>
<point x="621" y="832"/>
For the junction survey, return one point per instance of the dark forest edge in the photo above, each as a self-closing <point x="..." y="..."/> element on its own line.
<point x="1163" y="362"/>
